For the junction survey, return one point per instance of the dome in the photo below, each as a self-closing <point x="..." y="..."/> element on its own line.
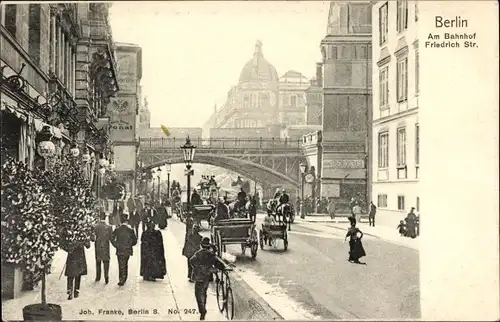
<point x="258" y="68"/>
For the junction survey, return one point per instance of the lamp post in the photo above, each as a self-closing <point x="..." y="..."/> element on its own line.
<point x="153" y="187"/>
<point x="168" y="168"/>
<point x="302" y="168"/>
<point x="188" y="149"/>
<point x="158" y="174"/>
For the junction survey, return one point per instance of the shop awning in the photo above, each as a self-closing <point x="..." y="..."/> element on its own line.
<point x="39" y="124"/>
<point x="10" y="106"/>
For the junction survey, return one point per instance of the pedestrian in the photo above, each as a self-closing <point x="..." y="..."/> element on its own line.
<point x="131" y="205"/>
<point x="352" y="203"/>
<point x="356" y="250"/>
<point x="153" y="264"/>
<point x="371" y="215"/>
<point x="134" y="221"/>
<point x="102" y="238"/>
<point x="411" y="220"/>
<point x="204" y="262"/>
<point x="117" y="214"/>
<point x="331" y="207"/>
<point x="76" y="267"/>
<point x="191" y="246"/>
<point x="356" y="211"/>
<point x="162" y="215"/>
<point x="123" y="239"/>
<point x="402" y="228"/>
<point x="149" y="214"/>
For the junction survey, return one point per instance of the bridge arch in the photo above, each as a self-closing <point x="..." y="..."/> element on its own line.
<point x="251" y="170"/>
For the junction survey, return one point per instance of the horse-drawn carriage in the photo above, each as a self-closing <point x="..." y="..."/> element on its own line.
<point x="286" y="211"/>
<point x="203" y="212"/>
<point x="235" y="231"/>
<point x="270" y="234"/>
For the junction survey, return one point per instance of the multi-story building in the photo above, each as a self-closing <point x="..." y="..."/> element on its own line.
<point x="396" y="127"/>
<point x="57" y="72"/>
<point x="314" y="103"/>
<point x="338" y="154"/>
<point x="262" y="103"/>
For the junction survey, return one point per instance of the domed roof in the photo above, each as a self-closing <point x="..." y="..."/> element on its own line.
<point x="258" y="68"/>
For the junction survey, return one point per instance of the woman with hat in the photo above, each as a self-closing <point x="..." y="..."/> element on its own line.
<point x="152" y="254"/>
<point x="356" y="250"/>
<point x="191" y="246"/>
<point x="204" y="261"/>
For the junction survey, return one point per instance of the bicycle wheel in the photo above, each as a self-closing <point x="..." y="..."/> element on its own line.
<point x="220" y="291"/>
<point x="229" y="303"/>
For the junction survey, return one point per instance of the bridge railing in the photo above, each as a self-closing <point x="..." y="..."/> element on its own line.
<point x="222" y="143"/>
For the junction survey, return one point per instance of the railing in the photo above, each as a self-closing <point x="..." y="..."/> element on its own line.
<point x="225" y="143"/>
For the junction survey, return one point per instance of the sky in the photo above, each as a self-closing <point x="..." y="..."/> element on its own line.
<point x="193" y="52"/>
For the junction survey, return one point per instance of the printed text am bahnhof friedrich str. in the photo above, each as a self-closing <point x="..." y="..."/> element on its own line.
<point x="451" y="39"/>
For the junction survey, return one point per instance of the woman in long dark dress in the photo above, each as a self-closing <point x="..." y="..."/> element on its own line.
<point x="356" y="250"/>
<point x="152" y="254"/>
<point x="162" y="216"/>
<point x="76" y="267"/>
<point x="191" y="246"/>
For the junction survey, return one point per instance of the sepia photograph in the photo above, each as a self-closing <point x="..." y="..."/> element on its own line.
<point x="241" y="160"/>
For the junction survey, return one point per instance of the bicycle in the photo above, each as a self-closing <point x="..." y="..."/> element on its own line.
<point x="224" y="292"/>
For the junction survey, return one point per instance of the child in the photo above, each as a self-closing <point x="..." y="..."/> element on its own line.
<point x="402" y="228"/>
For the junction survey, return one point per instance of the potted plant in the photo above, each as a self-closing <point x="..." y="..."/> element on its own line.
<point x="29" y="235"/>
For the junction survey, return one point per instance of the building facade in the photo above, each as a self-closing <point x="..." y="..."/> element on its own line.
<point x="58" y="72"/>
<point x="338" y="154"/>
<point x="261" y="104"/>
<point x="396" y="128"/>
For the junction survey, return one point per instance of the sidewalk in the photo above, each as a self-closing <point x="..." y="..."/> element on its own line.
<point x="170" y="299"/>
<point x="382" y="229"/>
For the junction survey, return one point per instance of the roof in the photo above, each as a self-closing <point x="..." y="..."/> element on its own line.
<point x="258" y="68"/>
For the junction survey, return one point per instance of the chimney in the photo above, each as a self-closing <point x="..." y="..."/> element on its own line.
<point x="319" y="74"/>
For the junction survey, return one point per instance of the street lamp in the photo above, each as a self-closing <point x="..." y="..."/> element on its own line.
<point x="46" y="147"/>
<point x="302" y="168"/>
<point x="168" y="168"/>
<point x="153" y="174"/>
<point x="188" y="149"/>
<point x="158" y="174"/>
<point x="75" y="151"/>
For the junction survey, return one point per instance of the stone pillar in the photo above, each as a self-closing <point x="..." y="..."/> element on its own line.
<point x="45" y="37"/>
<point x="53" y="38"/>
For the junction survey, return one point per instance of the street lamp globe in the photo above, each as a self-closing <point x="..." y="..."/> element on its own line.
<point x="102" y="162"/>
<point x="75" y="151"/>
<point x="106" y="163"/>
<point x="46" y="149"/>
<point x="188" y="149"/>
<point x="302" y="167"/>
<point x="102" y="170"/>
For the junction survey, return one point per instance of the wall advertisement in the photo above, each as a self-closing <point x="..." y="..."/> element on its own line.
<point x="127" y="72"/>
<point x="122" y="119"/>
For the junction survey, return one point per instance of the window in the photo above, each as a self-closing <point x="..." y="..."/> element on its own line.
<point x="402" y="15"/>
<point x="383" y="23"/>
<point x="383" y="150"/>
<point x="10" y="18"/>
<point x="418" y="204"/>
<point x="417" y="73"/>
<point x="384" y="87"/>
<point x="401" y="202"/>
<point x="401" y="147"/>
<point x="34" y="32"/>
<point x="293" y="101"/>
<point x="263" y="100"/>
<point x="402" y="79"/>
<point x="382" y="201"/>
<point x="246" y="101"/>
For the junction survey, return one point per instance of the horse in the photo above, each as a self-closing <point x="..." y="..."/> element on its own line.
<point x="286" y="211"/>
<point x="252" y="210"/>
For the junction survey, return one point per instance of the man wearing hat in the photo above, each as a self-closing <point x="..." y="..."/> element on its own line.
<point x="123" y="239"/>
<point x="204" y="261"/>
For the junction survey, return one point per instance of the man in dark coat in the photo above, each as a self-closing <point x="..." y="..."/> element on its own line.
<point x="191" y="246"/>
<point x="123" y="240"/>
<point x="204" y="262"/>
<point x="148" y="214"/>
<point x="134" y="221"/>
<point x="195" y="198"/>
<point x="131" y="204"/>
<point x="102" y="238"/>
<point x="371" y="214"/>
<point x="76" y="266"/>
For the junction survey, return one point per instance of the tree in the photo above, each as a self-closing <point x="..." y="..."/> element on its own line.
<point x="73" y="205"/>
<point x="29" y="234"/>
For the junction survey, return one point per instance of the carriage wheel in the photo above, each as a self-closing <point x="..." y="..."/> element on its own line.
<point x="261" y="239"/>
<point x="243" y="249"/>
<point x="254" y="243"/>
<point x="229" y="303"/>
